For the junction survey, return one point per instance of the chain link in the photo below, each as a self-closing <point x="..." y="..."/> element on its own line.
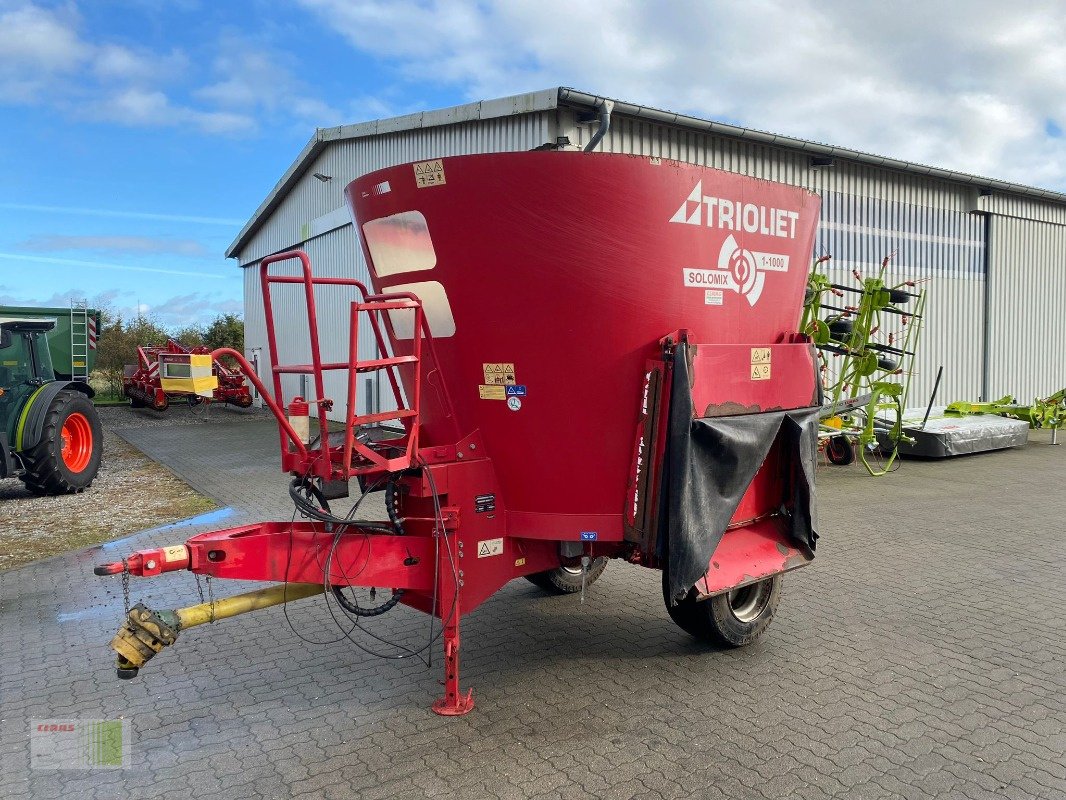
<point x="199" y="588"/>
<point x="126" y="586"/>
<point x="210" y="597"/>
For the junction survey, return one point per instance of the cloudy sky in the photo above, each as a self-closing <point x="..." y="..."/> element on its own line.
<point x="137" y="136"/>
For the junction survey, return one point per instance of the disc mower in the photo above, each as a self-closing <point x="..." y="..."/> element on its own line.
<point x="589" y="357"/>
<point x="50" y="434"/>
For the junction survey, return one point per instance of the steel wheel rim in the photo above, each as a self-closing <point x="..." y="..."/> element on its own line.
<point x="77" y="442"/>
<point x="571" y="570"/>
<point x="748" y="602"/>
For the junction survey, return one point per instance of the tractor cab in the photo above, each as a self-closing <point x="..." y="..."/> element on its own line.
<point x="25" y="364"/>
<point x="24" y="354"/>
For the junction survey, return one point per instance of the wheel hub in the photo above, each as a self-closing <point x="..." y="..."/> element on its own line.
<point x="748" y="602"/>
<point x="77" y="442"/>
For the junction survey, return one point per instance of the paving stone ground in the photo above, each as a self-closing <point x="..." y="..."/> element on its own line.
<point x="921" y="655"/>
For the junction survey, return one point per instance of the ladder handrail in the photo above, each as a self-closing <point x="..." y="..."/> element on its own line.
<point x="319" y="461"/>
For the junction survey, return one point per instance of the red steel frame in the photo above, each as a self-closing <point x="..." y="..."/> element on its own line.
<point x="143" y="383"/>
<point x="431" y="562"/>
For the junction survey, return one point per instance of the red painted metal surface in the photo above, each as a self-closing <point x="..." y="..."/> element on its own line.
<point x="525" y="307"/>
<point x="571" y="267"/>
<point x="141" y="381"/>
<point x="748" y="554"/>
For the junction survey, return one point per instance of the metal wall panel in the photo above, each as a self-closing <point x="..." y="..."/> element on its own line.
<point x="1027" y="324"/>
<point x="337" y="252"/>
<point x="348" y="159"/>
<point x="867" y="213"/>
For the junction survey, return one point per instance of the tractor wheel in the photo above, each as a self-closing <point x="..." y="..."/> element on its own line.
<point x="840" y="451"/>
<point x="567" y="580"/>
<point x="732" y="619"/>
<point x="899" y="297"/>
<point x="67" y="457"/>
<point x="887" y="364"/>
<point x="135" y="403"/>
<point x="162" y="405"/>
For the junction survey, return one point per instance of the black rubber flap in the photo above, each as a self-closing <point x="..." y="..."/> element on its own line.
<point x="709" y="465"/>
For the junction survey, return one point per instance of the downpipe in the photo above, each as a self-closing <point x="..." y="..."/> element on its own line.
<point x="606" y="107"/>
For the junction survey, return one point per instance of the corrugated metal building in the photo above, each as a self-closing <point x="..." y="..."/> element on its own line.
<point x="991" y="252"/>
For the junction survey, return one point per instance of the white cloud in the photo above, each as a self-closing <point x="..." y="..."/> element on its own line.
<point x="119" y="214"/>
<point x="24" y="260"/>
<point x="115" y="244"/>
<point x="966" y="85"/>
<point x="256" y="81"/>
<point x="48" y="60"/>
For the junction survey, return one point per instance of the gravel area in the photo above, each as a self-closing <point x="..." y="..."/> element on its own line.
<point x="130" y="494"/>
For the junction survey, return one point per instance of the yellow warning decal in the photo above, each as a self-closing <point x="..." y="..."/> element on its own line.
<point x="499" y="374"/>
<point x="429" y="173"/>
<point x="760" y="355"/>
<point x="177" y="552"/>
<point x="492" y="392"/>
<point x="519" y="562"/>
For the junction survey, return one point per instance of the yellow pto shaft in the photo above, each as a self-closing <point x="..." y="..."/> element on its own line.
<point x="146" y="632"/>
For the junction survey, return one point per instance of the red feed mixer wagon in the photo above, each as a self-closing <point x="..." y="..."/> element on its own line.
<point x="592" y="356"/>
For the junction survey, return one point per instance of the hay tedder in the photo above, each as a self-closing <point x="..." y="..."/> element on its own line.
<point x="867" y="341"/>
<point x="173" y="371"/>
<point x="591" y="356"/>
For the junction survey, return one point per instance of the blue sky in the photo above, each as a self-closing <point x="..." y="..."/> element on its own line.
<point x="138" y="136"/>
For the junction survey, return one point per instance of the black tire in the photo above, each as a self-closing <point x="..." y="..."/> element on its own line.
<point x="887" y="364"/>
<point x="731" y="619"/>
<point x="46" y="471"/>
<point x="899" y="297"/>
<point x="135" y="403"/>
<point x="840" y="451"/>
<point x="841" y="328"/>
<point x="567" y="580"/>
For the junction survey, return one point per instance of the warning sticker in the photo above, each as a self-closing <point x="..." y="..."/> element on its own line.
<point x="177" y="552"/>
<point x="499" y="374"/>
<point x="489" y="547"/>
<point x="429" y="173"/>
<point x="760" y="363"/>
<point x="492" y="392"/>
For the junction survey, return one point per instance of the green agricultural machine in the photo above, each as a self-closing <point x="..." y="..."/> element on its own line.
<point x="50" y="433"/>
<point x="871" y="337"/>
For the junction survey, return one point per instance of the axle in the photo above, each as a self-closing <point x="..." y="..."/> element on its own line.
<point x="146" y="632"/>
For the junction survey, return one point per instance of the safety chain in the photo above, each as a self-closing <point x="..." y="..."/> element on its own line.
<point x="126" y="586"/>
<point x="199" y="588"/>
<point x="210" y="597"/>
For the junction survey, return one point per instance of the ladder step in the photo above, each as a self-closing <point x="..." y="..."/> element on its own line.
<point x="381" y="363"/>
<point x="381" y="416"/>
<point x="360" y="366"/>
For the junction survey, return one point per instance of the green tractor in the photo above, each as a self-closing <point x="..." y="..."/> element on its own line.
<point x="50" y="433"/>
